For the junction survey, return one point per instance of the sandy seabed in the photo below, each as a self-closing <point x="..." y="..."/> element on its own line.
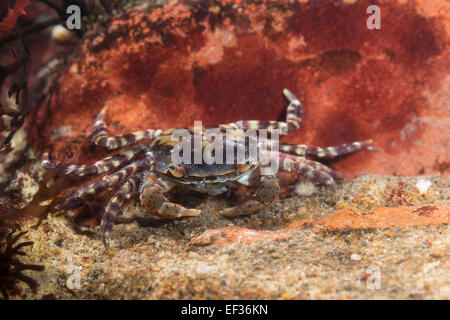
<point x="301" y="247"/>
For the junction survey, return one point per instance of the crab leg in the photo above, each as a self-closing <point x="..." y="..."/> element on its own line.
<point x="98" y="167"/>
<point x="296" y="149"/>
<point x="321" y="167"/>
<point x="325" y="152"/>
<point x="76" y="199"/>
<point x="313" y="170"/>
<point x="101" y="138"/>
<point x="271" y="125"/>
<point x="294" y="114"/>
<point x="128" y="189"/>
<point x="338" y="151"/>
<point x="266" y="194"/>
<point x="153" y="199"/>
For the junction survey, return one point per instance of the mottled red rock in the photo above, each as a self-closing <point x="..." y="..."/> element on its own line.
<point x="7" y="23"/>
<point x="390" y="217"/>
<point x="349" y="217"/>
<point x="235" y="234"/>
<point x="169" y="66"/>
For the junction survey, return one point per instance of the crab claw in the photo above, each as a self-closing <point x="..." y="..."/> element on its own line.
<point x="266" y="194"/>
<point x="154" y="201"/>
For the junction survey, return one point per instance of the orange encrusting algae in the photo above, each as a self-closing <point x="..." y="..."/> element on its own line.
<point x="389" y="217"/>
<point x="349" y="217"/>
<point x="235" y="234"/>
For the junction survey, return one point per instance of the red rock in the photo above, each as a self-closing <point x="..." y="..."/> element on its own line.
<point x="389" y="217"/>
<point x="7" y="23"/>
<point x="169" y="66"/>
<point x="381" y="218"/>
<point x="235" y="234"/>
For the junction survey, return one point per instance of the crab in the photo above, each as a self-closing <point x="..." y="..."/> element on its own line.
<point x="143" y="166"/>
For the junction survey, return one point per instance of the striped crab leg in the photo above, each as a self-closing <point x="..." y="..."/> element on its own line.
<point x="325" y="152"/>
<point x="98" y="167"/>
<point x="100" y="136"/>
<point x="338" y="151"/>
<point x="76" y="199"/>
<point x="129" y="189"/>
<point x="294" y="114"/>
<point x="313" y="170"/>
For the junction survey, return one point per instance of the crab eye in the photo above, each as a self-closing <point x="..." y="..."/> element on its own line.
<point x="176" y="171"/>
<point x="241" y="168"/>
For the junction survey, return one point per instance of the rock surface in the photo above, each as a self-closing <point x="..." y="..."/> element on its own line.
<point x="298" y="248"/>
<point x="376" y="237"/>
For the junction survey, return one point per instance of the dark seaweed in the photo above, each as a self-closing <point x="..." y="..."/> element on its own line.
<point x="18" y="88"/>
<point x="11" y="267"/>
